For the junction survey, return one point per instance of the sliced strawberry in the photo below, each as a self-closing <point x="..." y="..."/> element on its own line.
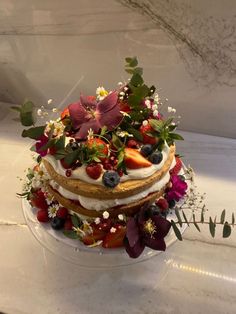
<point x="134" y="160"/>
<point x="42" y="215"/>
<point x="97" y="235"/>
<point x="144" y="129"/>
<point x="38" y="200"/>
<point x="115" y="239"/>
<point x="94" y="170"/>
<point x="99" y="145"/>
<point x="177" y="166"/>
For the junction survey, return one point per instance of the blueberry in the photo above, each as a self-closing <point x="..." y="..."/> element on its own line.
<point x="110" y="179"/>
<point x="74" y="145"/>
<point x="171" y="203"/>
<point x="156" y="157"/>
<point x="57" y="223"/>
<point x="146" y="150"/>
<point x="164" y="213"/>
<point x="154" y="210"/>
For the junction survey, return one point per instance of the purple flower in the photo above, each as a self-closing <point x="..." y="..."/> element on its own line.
<point x="40" y="143"/>
<point x="90" y="114"/>
<point x="143" y="231"/>
<point x="178" y="189"/>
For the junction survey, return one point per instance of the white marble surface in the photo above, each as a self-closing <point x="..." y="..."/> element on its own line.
<point x="187" y="48"/>
<point x="197" y="275"/>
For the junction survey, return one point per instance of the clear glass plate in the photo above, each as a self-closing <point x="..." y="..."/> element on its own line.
<point x="76" y="252"/>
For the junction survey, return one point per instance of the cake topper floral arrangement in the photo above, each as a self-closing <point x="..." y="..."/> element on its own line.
<point x="107" y="137"/>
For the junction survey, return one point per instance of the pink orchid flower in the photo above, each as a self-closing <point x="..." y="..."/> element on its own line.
<point x="90" y="114"/>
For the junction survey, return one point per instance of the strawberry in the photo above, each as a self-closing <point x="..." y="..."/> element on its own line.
<point x="99" y="145"/>
<point x="94" y="237"/>
<point x="162" y="204"/>
<point x="134" y="160"/>
<point x="144" y="129"/>
<point x="94" y="170"/>
<point x="42" y="215"/>
<point x="38" y="200"/>
<point x="115" y="239"/>
<point x="62" y="212"/>
<point x="68" y="223"/>
<point x="177" y="166"/>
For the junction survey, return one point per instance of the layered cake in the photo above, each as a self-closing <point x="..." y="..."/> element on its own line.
<point x="107" y="170"/>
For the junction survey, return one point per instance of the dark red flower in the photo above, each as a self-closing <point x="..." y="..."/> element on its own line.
<point x="147" y="231"/>
<point x="40" y="143"/>
<point x="90" y="114"/>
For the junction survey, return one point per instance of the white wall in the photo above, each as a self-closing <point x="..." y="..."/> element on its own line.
<point x="187" y="49"/>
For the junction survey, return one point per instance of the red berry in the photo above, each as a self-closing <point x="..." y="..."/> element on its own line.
<point x="94" y="170"/>
<point x="52" y="150"/>
<point x="62" y="212"/>
<point x="42" y="215"/>
<point x="68" y="224"/>
<point x="38" y="200"/>
<point x="120" y="172"/>
<point x="104" y="225"/>
<point x="115" y="239"/>
<point x="107" y="165"/>
<point x="68" y="172"/>
<point x="132" y="144"/>
<point x="64" y="164"/>
<point x="177" y="166"/>
<point x="162" y="204"/>
<point x="146" y="138"/>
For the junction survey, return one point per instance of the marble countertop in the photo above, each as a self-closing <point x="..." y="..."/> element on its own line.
<point x="197" y="275"/>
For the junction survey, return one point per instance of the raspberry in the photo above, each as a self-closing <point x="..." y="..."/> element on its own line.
<point x="177" y="167"/>
<point x="68" y="172"/>
<point x="162" y="204"/>
<point x="62" y="212"/>
<point x="94" y="171"/>
<point x="132" y="144"/>
<point x="38" y="200"/>
<point x="42" y="215"/>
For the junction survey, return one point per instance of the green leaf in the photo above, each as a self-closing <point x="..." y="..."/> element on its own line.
<point x="121" y="157"/>
<point x="157" y="125"/>
<point x="71" y="157"/>
<point x="202" y="215"/>
<point x="178" y="217"/>
<point x="103" y="130"/>
<point x="172" y="127"/>
<point x="195" y="224"/>
<point x="16" y="108"/>
<point x="26" y="114"/>
<point x="138" y="71"/>
<point x="222" y="217"/>
<point x="60" y="154"/>
<point x="60" y="143"/>
<point x="141" y="91"/>
<point x="226" y="230"/>
<point x="212" y="227"/>
<point x="134" y="100"/>
<point x="135" y="133"/>
<point x="136" y="80"/>
<point x="175" y="136"/>
<point x="34" y="132"/>
<point x="176" y="230"/>
<point x="116" y="141"/>
<point x="70" y="234"/>
<point x="76" y="221"/>
<point x="185" y="218"/>
<point x="133" y="62"/>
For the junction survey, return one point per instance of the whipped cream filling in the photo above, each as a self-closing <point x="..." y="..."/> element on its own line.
<point x="80" y="173"/>
<point x="101" y="205"/>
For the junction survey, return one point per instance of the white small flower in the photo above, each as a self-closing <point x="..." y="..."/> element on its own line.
<point x="125" y="114"/>
<point x="54" y="110"/>
<point x="39" y="112"/>
<point x="169" y="109"/>
<point x="121" y="217"/>
<point x="126" y="88"/>
<point x="156" y="98"/>
<point x="97" y="220"/>
<point x="112" y="230"/>
<point x="101" y="93"/>
<point x="145" y="122"/>
<point x="105" y="215"/>
<point x="121" y="97"/>
<point x="154" y="107"/>
<point x="124" y="134"/>
<point x="120" y="83"/>
<point x="49" y="101"/>
<point x="52" y="210"/>
<point x="90" y="134"/>
<point x="122" y="94"/>
<point x="155" y="113"/>
<point x="148" y="103"/>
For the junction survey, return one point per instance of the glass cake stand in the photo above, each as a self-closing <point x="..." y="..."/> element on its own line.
<point x="74" y="251"/>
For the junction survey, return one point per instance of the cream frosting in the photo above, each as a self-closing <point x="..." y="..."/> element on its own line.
<point x="101" y="205"/>
<point x="80" y="173"/>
